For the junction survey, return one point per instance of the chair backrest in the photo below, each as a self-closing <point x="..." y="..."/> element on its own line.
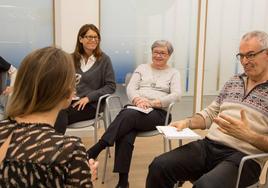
<point x="242" y="162"/>
<point x="127" y="78"/>
<point x="99" y="115"/>
<point x="113" y="107"/>
<point x="101" y="102"/>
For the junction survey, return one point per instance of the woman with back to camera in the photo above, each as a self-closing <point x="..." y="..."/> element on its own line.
<point x="97" y="78"/>
<point x="154" y="85"/>
<point x="32" y="153"/>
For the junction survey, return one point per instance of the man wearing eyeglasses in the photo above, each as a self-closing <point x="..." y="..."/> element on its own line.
<point x="237" y="123"/>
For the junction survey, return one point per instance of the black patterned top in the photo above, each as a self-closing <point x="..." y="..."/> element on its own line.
<point x="39" y="157"/>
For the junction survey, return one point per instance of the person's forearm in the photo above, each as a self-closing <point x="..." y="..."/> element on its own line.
<point x="258" y="140"/>
<point x="155" y="103"/>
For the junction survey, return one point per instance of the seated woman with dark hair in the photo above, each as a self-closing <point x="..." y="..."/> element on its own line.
<point x="97" y="78"/>
<point x="153" y="85"/>
<point x="32" y="153"/>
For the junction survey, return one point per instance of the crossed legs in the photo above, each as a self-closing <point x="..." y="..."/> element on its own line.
<point x="122" y="132"/>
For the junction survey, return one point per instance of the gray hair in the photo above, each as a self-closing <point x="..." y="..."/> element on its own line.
<point x="261" y="36"/>
<point x="163" y="43"/>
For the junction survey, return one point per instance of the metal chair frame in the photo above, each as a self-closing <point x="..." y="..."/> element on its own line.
<point x="242" y="162"/>
<point x="93" y="122"/>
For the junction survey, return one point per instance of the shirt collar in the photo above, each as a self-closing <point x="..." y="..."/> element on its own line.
<point x="92" y="58"/>
<point x="245" y="77"/>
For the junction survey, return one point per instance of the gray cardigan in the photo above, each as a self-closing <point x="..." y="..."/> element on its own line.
<point x="97" y="81"/>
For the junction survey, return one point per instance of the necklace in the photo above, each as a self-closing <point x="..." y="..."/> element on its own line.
<point x="155" y="75"/>
<point x="153" y="85"/>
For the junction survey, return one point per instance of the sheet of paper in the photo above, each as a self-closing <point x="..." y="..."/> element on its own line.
<point x="172" y="133"/>
<point x="146" y="111"/>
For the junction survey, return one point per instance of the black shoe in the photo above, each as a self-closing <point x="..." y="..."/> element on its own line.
<point x="120" y="186"/>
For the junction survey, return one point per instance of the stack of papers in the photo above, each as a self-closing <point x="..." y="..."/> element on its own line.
<point x="172" y="133"/>
<point x="146" y="111"/>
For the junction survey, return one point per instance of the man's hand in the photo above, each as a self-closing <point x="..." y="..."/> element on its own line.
<point x="182" y="124"/>
<point x="93" y="165"/>
<point x="237" y="128"/>
<point x="81" y="103"/>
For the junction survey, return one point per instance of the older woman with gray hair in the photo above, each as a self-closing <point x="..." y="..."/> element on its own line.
<point x="152" y="86"/>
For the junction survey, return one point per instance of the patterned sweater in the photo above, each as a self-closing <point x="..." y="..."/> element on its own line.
<point x="39" y="157"/>
<point x="230" y="101"/>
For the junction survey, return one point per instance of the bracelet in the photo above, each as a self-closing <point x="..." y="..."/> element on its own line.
<point x="189" y="124"/>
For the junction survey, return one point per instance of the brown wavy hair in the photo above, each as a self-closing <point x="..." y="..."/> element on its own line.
<point x="45" y="78"/>
<point x="79" y="50"/>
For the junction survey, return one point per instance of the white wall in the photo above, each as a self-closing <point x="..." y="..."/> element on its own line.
<point x="70" y="15"/>
<point x="222" y="42"/>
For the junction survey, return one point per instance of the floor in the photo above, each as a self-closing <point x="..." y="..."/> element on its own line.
<point x="145" y="148"/>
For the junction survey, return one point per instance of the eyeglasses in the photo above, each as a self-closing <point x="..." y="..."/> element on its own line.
<point x="162" y="54"/>
<point x="249" y="55"/>
<point x="91" y="38"/>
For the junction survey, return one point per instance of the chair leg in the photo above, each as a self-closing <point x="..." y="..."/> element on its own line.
<point x="98" y="124"/>
<point x="180" y="142"/>
<point x="169" y="145"/>
<point x="165" y="144"/>
<point x="95" y="134"/>
<point x="107" y="153"/>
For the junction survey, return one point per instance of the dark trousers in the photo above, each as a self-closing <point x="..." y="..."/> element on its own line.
<point x="72" y="115"/>
<point x="123" y="130"/>
<point x="206" y="163"/>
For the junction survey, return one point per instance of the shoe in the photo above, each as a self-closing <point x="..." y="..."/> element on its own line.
<point x="120" y="186"/>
